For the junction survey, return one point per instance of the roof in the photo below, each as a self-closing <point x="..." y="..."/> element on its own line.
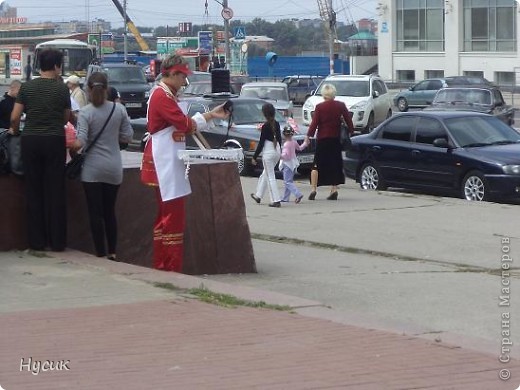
<point x="362" y="36"/>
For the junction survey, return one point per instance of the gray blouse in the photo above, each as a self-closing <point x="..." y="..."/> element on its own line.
<point x="103" y="161"/>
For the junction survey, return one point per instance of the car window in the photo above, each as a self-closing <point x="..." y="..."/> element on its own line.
<point x="294" y="83"/>
<point x="472" y="131"/>
<point x="428" y="130"/>
<point x="398" y="129"/>
<point x="195" y="108"/>
<point x="422" y="86"/>
<point x="355" y="88"/>
<point x="125" y="75"/>
<point x="271" y="92"/>
<point x="498" y="97"/>
<point x="434" y="85"/>
<point x="379" y="87"/>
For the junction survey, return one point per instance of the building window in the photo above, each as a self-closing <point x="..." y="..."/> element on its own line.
<point x="420" y="25"/>
<point x="406" y="75"/>
<point x="505" y="78"/>
<point x="473" y="73"/>
<point x="490" y="25"/>
<point x="433" y="74"/>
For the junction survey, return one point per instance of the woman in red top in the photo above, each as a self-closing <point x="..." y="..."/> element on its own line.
<point x="328" y="162"/>
<point x="162" y="168"/>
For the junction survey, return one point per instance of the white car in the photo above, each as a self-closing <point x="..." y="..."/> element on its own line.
<point x="366" y="97"/>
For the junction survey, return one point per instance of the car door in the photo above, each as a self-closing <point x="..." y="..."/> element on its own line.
<point x="417" y="95"/>
<point x="391" y="149"/>
<point x="501" y="110"/>
<point x="381" y="104"/>
<point x="429" y="93"/>
<point x="432" y="166"/>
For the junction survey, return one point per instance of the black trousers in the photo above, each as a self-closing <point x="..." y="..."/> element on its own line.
<point x="44" y="165"/>
<point x="101" y="204"/>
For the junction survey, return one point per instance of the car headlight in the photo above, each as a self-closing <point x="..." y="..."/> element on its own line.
<point x="308" y="106"/>
<point x="147" y="94"/>
<point x="359" y="106"/>
<point x="511" y="169"/>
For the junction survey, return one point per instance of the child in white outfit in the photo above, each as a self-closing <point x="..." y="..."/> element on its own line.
<point x="288" y="164"/>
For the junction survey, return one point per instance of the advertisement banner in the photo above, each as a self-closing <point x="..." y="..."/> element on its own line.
<point x="15" y="61"/>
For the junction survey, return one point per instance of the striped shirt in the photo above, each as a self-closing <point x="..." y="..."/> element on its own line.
<point x="45" y="101"/>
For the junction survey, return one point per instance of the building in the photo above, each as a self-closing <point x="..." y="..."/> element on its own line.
<point x="435" y="38"/>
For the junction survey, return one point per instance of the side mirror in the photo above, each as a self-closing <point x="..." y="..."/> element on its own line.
<point x="375" y="94"/>
<point x="441" y="143"/>
<point x="410" y="88"/>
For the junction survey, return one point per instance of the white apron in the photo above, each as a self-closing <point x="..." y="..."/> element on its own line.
<point x="168" y="166"/>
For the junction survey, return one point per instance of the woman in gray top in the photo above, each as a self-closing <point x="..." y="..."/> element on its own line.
<point x="102" y="171"/>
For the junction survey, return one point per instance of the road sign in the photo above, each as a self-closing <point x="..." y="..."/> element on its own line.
<point x="205" y="42"/>
<point x="239" y="33"/>
<point x="227" y="13"/>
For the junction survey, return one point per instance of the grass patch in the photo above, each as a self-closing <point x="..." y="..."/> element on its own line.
<point x="226" y="300"/>
<point x="167" y="286"/>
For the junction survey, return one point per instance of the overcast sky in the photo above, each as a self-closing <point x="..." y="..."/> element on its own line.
<point x="170" y="12"/>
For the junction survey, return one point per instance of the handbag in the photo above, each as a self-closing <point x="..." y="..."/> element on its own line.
<point x="346" y="142"/>
<point x="75" y="165"/>
<point x="15" y="154"/>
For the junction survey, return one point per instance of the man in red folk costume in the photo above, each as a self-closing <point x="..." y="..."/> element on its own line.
<point x="168" y="126"/>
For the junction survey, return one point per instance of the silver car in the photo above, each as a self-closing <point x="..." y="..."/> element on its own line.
<point x="273" y="92"/>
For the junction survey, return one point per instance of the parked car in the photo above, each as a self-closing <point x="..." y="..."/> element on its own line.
<point x="243" y="131"/>
<point x="131" y="83"/>
<point x="200" y="88"/>
<point x="421" y="94"/>
<point x="273" y="92"/>
<point x="475" y="155"/>
<point x="366" y="97"/>
<point x="484" y="99"/>
<point x="301" y="87"/>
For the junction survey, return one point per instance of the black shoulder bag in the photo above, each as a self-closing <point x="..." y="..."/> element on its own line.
<point x="346" y="142"/>
<point x="75" y="165"/>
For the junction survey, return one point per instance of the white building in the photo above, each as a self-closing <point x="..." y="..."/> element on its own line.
<point x="421" y="39"/>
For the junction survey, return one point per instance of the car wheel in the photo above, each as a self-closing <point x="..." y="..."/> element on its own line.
<point x="475" y="187"/>
<point x="370" y="178"/>
<point x="402" y="104"/>
<point x="370" y="124"/>
<point x="389" y="113"/>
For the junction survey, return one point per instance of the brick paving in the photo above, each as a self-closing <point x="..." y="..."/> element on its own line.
<point x="186" y="344"/>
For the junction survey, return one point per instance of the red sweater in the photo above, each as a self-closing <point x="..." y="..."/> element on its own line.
<point x="327" y="119"/>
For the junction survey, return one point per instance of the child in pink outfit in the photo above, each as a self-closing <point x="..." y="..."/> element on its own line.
<point x="288" y="164"/>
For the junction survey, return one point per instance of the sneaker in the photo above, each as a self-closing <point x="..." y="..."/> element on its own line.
<point x="274" y="204"/>
<point x="256" y="198"/>
<point x="298" y="199"/>
<point x="312" y="195"/>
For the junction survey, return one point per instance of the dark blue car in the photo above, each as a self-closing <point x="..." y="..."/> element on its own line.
<point x="476" y="155"/>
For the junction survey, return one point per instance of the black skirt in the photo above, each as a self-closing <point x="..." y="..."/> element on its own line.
<point x="329" y="162"/>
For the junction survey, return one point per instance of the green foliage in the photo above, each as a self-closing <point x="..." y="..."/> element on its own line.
<point x="289" y="37"/>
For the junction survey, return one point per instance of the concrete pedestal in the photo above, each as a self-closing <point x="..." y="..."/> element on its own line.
<point x="217" y="237"/>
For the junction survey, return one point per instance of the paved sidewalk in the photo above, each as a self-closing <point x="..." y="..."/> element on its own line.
<point x="78" y="309"/>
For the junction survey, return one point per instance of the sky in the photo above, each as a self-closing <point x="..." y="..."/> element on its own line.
<point x="151" y="13"/>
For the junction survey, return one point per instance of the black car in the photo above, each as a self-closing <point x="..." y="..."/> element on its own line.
<point x="131" y="83"/>
<point x="474" y="154"/>
<point x="301" y="87"/>
<point x="243" y="131"/>
<point x="484" y="99"/>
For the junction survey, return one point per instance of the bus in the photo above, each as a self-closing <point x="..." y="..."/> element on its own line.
<point x="77" y="56"/>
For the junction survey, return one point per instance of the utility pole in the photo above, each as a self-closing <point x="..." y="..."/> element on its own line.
<point x="226" y="35"/>
<point x="125" y="38"/>
<point x="328" y="16"/>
